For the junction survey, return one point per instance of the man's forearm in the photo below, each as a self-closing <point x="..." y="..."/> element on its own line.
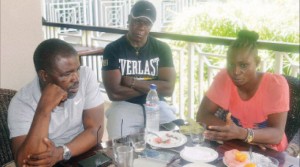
<point x="84" y="141"/>
<point x="34" y="139"/>
<point x="123" y="93"/>
<point x="164" y="88"/>
<point x="93" y="122"/>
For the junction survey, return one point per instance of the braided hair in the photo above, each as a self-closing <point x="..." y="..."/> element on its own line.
<point x="246" y="40"/>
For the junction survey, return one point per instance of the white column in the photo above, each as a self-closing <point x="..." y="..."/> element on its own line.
<point x="21" y="32"/>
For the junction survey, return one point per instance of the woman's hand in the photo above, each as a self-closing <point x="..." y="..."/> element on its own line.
<point x="222" y="133"/>
<point x="228" y="132"/>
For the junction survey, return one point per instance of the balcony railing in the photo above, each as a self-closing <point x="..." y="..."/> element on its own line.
<point x="109" y="13"/>
<point x="195" y="68"/>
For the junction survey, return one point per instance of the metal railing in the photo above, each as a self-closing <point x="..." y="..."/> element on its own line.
<point x="109" y="13"/>
<point x="195" y="68"/>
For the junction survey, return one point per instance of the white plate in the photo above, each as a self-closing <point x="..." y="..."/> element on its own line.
<point x="260" y="160"/>
<point x="175" y="140"/>
<point x="199" y="164"/>
<point x="198" y="154"/>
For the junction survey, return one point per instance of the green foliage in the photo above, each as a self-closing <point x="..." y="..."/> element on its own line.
<point x="273" y="20"/>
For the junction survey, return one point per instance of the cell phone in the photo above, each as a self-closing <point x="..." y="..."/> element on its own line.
<point x="169" y="126"/>
<point x="97" y="160"/>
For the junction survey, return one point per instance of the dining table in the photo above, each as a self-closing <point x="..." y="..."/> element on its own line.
<point x="284" y="159"/>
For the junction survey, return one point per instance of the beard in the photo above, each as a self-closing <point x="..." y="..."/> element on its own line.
<point x="71" y="95"/>
<point x="71" y="92"/>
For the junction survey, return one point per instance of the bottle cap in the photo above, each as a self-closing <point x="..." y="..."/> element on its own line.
<point x="152" y="86"/>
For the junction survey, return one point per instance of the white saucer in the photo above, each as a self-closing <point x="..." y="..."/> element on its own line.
<point x="198" y="154"/>
<point x="199" y="164"/>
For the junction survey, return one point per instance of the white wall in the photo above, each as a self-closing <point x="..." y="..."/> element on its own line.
<point x="20" y="33"/>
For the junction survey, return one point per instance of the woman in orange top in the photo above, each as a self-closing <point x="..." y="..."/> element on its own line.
<point x="258" y="102"/>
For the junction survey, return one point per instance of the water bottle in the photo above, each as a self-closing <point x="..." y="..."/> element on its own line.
<point x="152" y="110"/>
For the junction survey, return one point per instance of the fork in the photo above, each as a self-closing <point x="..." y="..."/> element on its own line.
<point x="250" y="153"/>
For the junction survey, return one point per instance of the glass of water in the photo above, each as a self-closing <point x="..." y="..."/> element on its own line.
<point x="125" y="156"/>
<point x="138" y="141"/>
<point x="117" y="142"/>
<point x="197" y="136"/>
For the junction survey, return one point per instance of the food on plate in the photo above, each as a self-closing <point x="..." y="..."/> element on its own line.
<point x="191" y="126"/>
<point x="167" y="138"/>
<point x="172" y="136"/>
<point x="250" y="165"/>
<point x="240" y="156"/>
<point x="235" y="158"/>
<point x="185" y="129"/>
<point x="159" y="140"/>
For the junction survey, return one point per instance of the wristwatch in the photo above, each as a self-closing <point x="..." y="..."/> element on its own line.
<point x="67" y="153"/>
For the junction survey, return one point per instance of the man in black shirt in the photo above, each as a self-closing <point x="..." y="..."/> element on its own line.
<point x="130" y="65"/>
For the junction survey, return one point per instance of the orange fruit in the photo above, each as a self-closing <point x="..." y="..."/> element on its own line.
<point x="250" y="165"/>
<point x="240" y="156"/>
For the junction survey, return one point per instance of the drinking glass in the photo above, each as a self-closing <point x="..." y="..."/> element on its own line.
<point x="197" y="136"/>
<point x="117" y="142"/>
<point x="125" y="156"/>
<point x="138" y="141"/>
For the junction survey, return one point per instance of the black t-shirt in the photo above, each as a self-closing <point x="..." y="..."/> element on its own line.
<point x="144" y="65"/>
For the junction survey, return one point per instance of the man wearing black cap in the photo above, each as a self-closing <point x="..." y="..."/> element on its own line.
<point x="130" y="65"/>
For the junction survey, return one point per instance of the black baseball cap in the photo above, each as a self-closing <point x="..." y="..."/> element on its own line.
<point x="144" y="9"/>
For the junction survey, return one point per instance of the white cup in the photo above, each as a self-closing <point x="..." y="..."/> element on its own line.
<point x="125" y="156"/>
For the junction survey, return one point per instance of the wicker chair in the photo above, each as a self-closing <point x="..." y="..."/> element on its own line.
<point x="293" y="120"/>
<point x="5" y="149"/>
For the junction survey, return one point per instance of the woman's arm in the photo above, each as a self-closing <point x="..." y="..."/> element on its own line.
<point x="219" y="130"/>
<point x="274" y="131"/>
<point x="206" y="113"/>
